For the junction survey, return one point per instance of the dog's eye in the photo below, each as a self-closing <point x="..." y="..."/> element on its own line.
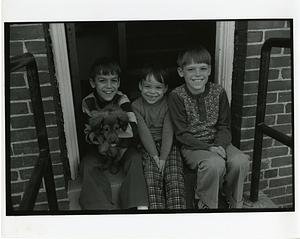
<point x="116" y="127"/>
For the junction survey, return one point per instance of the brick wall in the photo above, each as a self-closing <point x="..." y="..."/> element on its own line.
<point x="276" y="168"/>
<point x="23" y="141"/>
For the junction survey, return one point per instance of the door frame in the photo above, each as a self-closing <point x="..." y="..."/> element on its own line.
<point x="223" y="75"/>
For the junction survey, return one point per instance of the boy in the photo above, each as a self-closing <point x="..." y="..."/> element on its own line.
<point x="200" y="113"/>
<point x="96" y="190"/>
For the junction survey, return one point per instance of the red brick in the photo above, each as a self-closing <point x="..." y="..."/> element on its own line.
<point x="251" y="88"/>
<point x="36" y="47"/>
<point x="282" y="161"/>
<point x="264" y="24"/>
<point x="23" y="161"/>
<point x="287" y="51"/>
<point x="52" y="132"/>
<point x="41" y="197"/>
<point x="285" y="33"/>
<point x="48" y="106"/>
<point x="275" y="51"/>
<point x="252" y="99"/>
<point x="14" y="175"/>
<point x="275" y="192"/>
<point x="44" y="77"/>
<point x="255" y="36"/>
<point x="46" y="91"/>
<point x="18" y="187"/>
<point x="279" y="85"/>
<point x="61" y="194"/>
<point x="284" y="96"/>
<point x="271" y="173"/>
<point x="17" y="80"/>
<point x="287" y="171"/>
<point x="22" y="121"/>
<point x="283" y="199"/>
<point x="254" y="75"/>
<point x="15" y="48"/>
<point x="289" y="190"/>
<point x="274" y="152"/>
<point x="55" y="157"/>
<point x="16" y="199"/>
<point x="57" y="169"/>
<point x="274" y="109"/>
<point x="23" y="135"/>
<point x="263" y="184"/>
<point x="281" y="182"/>
<point x="59" y="182"/>
<point x="50" y="119"/>
<point x="64" y="205"/>
<point x="26" y="32"/>
<point x="284" y="119"/>
<point x="42" y="62"/>
<point x="288" y="108"/>
<point x="53" y="144"/>
<point x="18" y="108"/>
<point x="25" y="148"/>
<point x="247" y="145"/>
<point x="280" y="61"/>
<point x="247" y="134"/>
<point x="26" y="173"/>
<point x="248" y="122"/>
<point x="252" y="63"/>
<point x="19" y="94"/>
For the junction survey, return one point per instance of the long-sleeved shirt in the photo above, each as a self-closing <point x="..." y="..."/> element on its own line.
<point x="154" y="125"/>
<point x="201" y="120"/>
<point x="93" y="102"/>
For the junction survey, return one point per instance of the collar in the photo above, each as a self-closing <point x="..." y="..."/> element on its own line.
<point x="203" y="94"/>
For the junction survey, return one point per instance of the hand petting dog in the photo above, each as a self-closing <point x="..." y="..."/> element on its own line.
<point x="104" y="128"/>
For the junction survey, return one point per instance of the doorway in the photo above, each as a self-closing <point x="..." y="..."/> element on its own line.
<point x="132" y="43"/>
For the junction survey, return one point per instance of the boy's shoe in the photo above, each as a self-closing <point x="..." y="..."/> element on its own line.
<point x="200" y="204"/>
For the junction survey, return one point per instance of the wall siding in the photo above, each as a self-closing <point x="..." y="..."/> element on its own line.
<point x="23" y="139"/>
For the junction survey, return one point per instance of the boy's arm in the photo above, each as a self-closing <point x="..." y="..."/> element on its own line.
<point x="145" y="135"/>
<point x="223" y="135"/>
<point x="167" y="138"/>
<point x="179" y="119"/>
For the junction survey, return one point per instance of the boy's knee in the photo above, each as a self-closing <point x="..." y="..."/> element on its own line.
<point x="214" y="165"/>
<point x="241" y="162"/>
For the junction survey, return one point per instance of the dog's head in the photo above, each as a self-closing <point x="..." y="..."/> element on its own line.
<point x="107" y="124"/>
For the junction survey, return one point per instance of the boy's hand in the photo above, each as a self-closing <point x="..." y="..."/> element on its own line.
<point x="219" y="150"/>
<point x="162" y="164"/>
<point x="156" y="159"/>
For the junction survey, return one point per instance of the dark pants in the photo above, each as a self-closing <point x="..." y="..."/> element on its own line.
<point x="96" y="191"/>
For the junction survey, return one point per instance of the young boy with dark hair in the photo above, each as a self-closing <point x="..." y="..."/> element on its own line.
<point x="201" y="117"/>
<point x="161" y="157"/>
<point x="96" y="190"/>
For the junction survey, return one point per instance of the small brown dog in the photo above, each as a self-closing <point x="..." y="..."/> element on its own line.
<point x="106" y="125"/>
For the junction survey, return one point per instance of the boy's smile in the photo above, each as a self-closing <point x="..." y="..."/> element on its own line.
<point x="106" y="85"/>
<point x="152" y="90"/>
<point x="195" y="76"/>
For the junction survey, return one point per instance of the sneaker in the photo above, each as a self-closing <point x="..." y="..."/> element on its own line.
<point x="201" y="205"/>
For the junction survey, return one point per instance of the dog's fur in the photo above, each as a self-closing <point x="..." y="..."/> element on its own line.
<point x="106" y="125"/>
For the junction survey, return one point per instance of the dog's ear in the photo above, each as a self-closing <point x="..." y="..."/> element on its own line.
<point x="96" y="121"/>
<point x="123" y="120"/>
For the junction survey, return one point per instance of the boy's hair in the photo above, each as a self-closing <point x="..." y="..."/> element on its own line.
<point x="104" y="66"/>
<point x="158" y="72"/>
<point x="198" y="54"/>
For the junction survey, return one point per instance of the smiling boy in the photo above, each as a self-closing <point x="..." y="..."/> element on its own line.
<point x="200" y="114"/>
<point x="96" y="191"/>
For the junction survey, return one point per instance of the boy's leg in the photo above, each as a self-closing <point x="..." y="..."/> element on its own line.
<point x="154" y="181"/>
<point x="133" y="192"/>
<point x="174" y="180"/>
<point x="237" y="168"/>
<point x="96" y="191"/>
<point x="210" y="172"/>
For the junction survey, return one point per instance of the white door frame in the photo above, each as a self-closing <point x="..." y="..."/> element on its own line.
<point x="223" y="72"/>
<point x="62" y="71"/>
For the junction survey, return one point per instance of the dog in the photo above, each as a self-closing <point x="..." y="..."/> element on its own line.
<point x="107" y="124"/>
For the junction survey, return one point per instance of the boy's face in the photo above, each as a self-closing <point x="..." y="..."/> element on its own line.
<point x="152" y="90"/>
<point x="195" y="76"/>
<point x="106" y="85"/>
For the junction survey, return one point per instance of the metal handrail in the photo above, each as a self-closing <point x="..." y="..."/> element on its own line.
<point x="43" y="166"/>
<point x="260" y="127"/>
